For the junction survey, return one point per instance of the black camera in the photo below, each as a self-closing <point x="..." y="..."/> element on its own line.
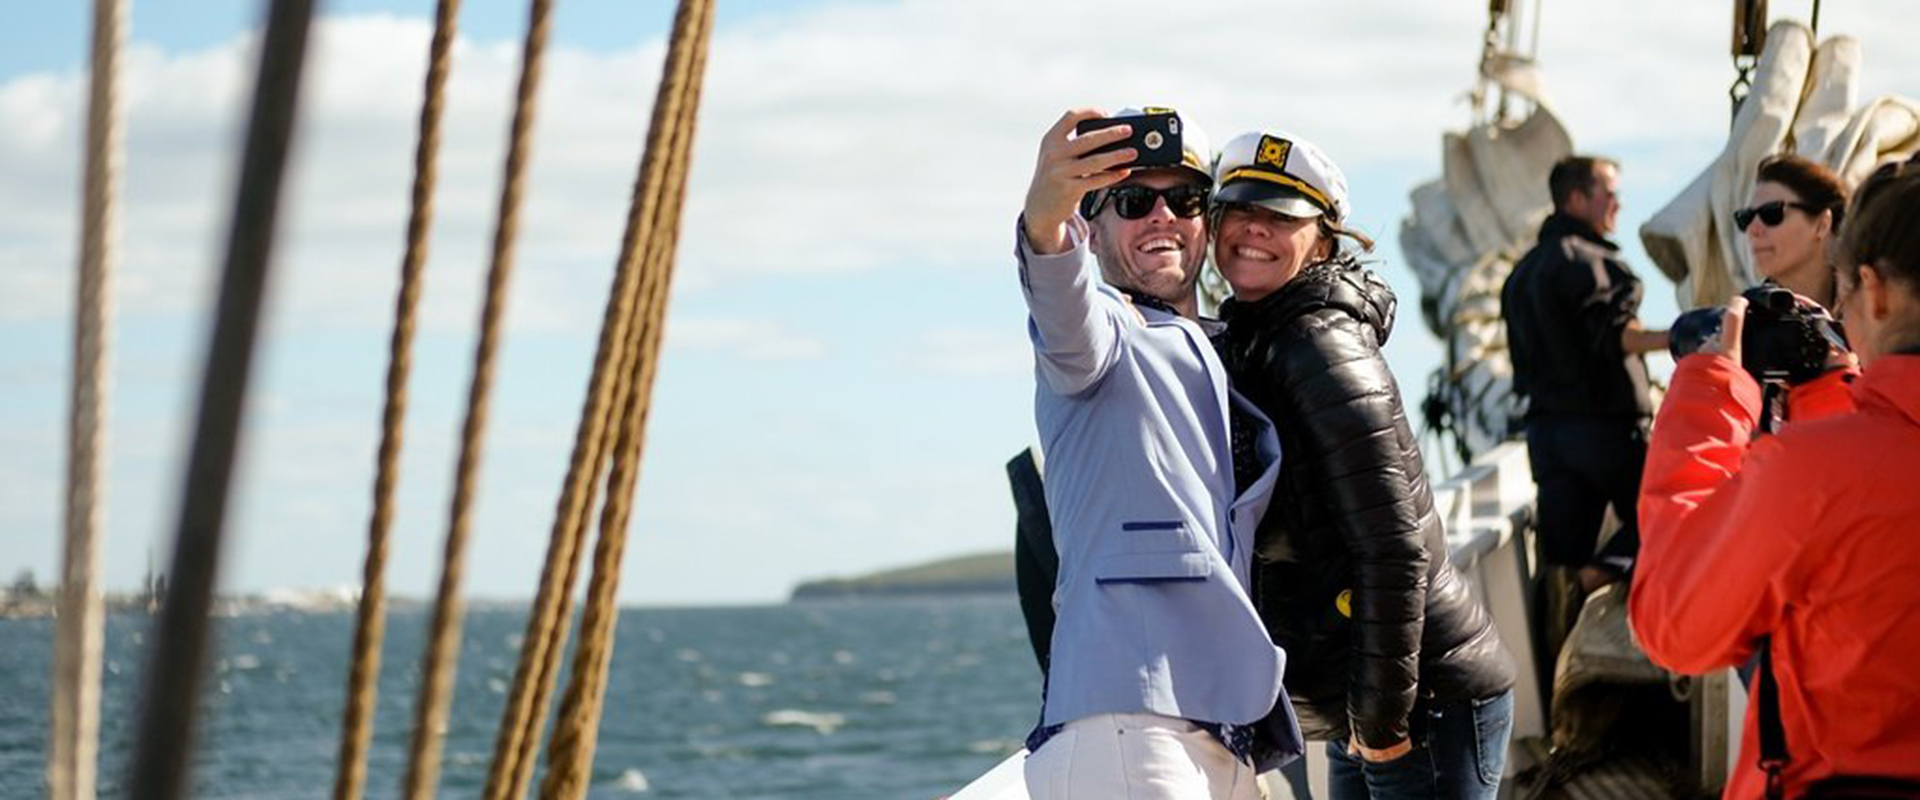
<point x="1785" y="338"/>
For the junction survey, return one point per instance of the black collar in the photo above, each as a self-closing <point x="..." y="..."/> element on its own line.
<point x="1559" y="226"/>
<point x="1141" y="298"/>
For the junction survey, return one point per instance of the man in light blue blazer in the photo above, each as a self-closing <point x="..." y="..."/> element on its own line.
<point x="1160" y="666"/>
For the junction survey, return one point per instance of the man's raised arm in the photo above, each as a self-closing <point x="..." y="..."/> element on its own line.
<point x="1074" y="338"/>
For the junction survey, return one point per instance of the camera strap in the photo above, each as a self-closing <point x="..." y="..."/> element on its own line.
<point x="1773" y="405"/>
<point x="1773" y="733"/>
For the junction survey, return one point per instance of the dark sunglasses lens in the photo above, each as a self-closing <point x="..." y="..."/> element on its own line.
<point x="1769" y="214"/>
<point x="1133" y="202"/>
<point x="1187" y="201"/>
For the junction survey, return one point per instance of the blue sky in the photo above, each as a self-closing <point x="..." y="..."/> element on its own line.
<point x="845" y="371"/>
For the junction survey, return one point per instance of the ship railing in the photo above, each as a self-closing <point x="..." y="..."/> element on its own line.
<point x="1488" y="510"/>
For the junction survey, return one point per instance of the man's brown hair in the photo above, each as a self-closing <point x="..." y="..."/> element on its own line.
<point x="1575" y="174"/>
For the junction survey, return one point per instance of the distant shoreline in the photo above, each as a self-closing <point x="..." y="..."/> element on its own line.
<point x="17" y="605"/>
<point x="979" y="574"/>
<point x="414" y="605"/>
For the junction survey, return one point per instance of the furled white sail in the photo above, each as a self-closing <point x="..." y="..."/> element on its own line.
<point x="1464" y="234"/>
<point x="1803" y="100"/>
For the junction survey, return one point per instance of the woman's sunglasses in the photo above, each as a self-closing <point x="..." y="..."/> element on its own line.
<point x="1769" y="214"/>
<point x="1133" y="201"/>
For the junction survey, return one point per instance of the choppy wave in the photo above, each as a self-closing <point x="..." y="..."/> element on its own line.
<point x="825" y="722"/>
<point x="632" y="780"/>
<point x="850" y="701"/>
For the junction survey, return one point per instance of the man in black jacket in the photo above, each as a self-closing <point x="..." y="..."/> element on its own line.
<point x="1571" y="308"/>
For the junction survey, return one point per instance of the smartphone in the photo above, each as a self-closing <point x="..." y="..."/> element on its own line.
<point x="1156" y="137"/>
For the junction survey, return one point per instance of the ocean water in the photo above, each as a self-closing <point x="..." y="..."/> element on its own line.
<point x="897" y="699"/>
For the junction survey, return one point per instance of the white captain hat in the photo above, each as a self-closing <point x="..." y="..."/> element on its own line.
<point x="1276" y="170"/>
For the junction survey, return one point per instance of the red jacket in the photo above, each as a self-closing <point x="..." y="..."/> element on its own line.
<point x="1812" y="536"/>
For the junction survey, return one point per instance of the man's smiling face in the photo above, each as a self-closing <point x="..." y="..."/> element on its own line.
<point x="1159" y="254"/>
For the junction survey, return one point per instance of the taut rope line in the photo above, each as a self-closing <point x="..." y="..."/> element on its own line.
<point x="73" y="751"/>
<point x="356" y="729"/>
<point x="436" y="685"/>
<point x="544" y="643"/>
<point x="570" y="755"/>
<point x="164" y="739"/>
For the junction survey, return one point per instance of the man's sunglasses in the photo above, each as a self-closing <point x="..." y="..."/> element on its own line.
<point x="1133" y="201"/>
<point x="1769" y="214"/>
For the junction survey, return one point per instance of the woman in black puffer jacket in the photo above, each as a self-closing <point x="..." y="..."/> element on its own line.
<point x="1389" y="656"/>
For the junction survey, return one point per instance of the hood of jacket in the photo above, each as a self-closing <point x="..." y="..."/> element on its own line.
<point x="1339" y="284"/>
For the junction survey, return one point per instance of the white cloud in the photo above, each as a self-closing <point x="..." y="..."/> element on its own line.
<point x="895" y="135"/>
<point x="972" y="352"/>
<point x="848" y="137"/>
<point x="804" y="521"/>
<point x="31" y="288"/>
<point x="752" y="339"/>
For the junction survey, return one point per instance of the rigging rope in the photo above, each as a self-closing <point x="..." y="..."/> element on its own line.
<point x="547" y="626"/>
<point x="436" y="685"/>
<point x="73" y="752"/>
<point x="570" y="756"/>
<point x="1749" y="40"/>
<point x="356" y="729"/>
<point x="164" y="739"/>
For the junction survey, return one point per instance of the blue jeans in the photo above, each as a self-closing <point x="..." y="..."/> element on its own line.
<point x="1459" y="751"/>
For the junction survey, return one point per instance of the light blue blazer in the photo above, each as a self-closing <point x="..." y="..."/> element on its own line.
<point x="1155" y="550"/>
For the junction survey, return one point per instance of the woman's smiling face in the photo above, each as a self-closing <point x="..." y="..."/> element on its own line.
<point x="1258" y="251"/>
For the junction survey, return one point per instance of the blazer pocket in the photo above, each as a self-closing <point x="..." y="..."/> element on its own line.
<point x="1150" y="567"/>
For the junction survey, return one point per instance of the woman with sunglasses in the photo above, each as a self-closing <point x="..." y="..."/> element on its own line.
<point x="1796" y="211"/>
<point x="1390" y="660"/>
<point x="1804" y="537"/>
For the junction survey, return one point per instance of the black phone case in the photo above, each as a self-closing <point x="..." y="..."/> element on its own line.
<point x="1156" y="137"/>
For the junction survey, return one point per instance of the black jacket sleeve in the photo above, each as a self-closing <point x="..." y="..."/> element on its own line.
<point x="1329" y="374"/>
<point x="1605" y="298"/>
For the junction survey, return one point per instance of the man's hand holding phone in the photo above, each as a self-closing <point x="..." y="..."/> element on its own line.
<point x="1067" y="169"/>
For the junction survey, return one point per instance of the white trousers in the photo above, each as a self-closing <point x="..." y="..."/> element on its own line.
<point x="1137" y="757"/>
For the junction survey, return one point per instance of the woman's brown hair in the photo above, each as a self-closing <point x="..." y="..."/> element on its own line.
<point x="1816" y="186"/>
<point x="1333" y="231"/>
<point x="1885" y="231"/>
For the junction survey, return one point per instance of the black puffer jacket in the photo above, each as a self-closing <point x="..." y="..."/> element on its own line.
<point x="1352" y="575"/>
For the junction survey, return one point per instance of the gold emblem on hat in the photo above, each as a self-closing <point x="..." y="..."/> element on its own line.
<point x="1273" y="153"/>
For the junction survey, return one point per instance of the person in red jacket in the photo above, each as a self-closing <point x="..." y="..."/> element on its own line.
<point x="1811" y="536"/>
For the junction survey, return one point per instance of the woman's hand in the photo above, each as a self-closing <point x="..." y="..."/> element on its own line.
<point x="1732" y="323"/>
<point x="1381" y="756"/>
